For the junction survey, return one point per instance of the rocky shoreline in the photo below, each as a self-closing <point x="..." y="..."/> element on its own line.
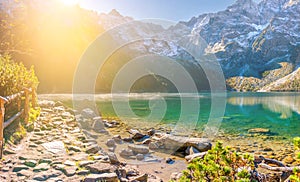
<point x="67" y="145"/>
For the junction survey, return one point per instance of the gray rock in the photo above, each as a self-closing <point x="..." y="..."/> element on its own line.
<point x="56" y="147"/>
<point x="92" y="149"/>
<point x="108" y="177"/>
<point x="140" y="157"/>
<point x="117" y="139"/>
<point x="45" y="175"/>
<point x="99" y="167"/>
<point x="142" y="178"/>
<point x="90" y="134"/>
<point x="84" y="163"/>
<point x="153" y="146"/>
<point x="113" y="158"/>
<point x="88" y="113"/>
<point x="171" y="142"/>
<point x="110" y="143"/>
<point x="137" y="135"/>
<point x="139" y="149"/>
<point x="126" y="153"/>
<point x="98" y="125"/>
<point x="70" y="171"/>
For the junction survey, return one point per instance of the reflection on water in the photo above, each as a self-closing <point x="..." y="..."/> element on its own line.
<point x="279" y="112"/>
<point x="283" y="103"/>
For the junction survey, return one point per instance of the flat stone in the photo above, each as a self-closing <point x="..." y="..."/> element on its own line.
<point x="139" y="149"/>
<point x="69" y="163"/>
<point x="59" y="167"/>
<point x="70" y="171"/>
<point x="18" y="168"/>
<point x="84" y="163"/>
<point x="26" y="173"/>
<point x="45" y="175"/>
<point x="92" y="149"/>
<point x="74" y="148"/>
<point x="41" y="167"/>
<point x="80" y="157"/>
<point x="142" y="178"/>
<point x="56" y="147"/>
<point x="99" y="167"/>
<point x="108" y="177"/>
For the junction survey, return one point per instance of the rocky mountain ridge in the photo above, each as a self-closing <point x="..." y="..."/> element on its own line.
<point x="248" y="40"/>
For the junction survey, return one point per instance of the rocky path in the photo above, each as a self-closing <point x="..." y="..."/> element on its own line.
<point x="57" y="150"/>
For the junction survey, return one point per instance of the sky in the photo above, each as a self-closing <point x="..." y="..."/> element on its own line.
<point x="175" y="10"/>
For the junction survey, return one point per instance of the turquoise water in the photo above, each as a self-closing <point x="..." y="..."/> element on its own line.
<point x="279" y="112"/>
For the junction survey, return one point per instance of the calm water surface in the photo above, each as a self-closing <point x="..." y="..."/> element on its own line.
<point x="279" y="112"/>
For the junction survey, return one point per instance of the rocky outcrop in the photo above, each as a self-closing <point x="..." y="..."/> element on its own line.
<point x="58" y="150"/>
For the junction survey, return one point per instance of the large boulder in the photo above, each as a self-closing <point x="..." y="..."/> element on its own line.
<point x="171" y="142"/>
<point x="88" y="113"/>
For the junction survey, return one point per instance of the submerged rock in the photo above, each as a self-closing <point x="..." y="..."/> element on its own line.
<point x="259" y="130"/>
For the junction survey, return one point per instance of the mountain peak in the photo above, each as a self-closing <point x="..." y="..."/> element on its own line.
<point x="243" y="4"/>
<point x="114" y="12"/>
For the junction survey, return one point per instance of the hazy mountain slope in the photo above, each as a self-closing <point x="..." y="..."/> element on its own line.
<point x="259" y="41"/>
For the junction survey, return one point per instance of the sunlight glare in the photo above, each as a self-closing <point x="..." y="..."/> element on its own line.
<point x="70" y="2"/>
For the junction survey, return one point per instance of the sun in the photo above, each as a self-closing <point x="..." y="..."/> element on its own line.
<point x="70" y="2"/>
